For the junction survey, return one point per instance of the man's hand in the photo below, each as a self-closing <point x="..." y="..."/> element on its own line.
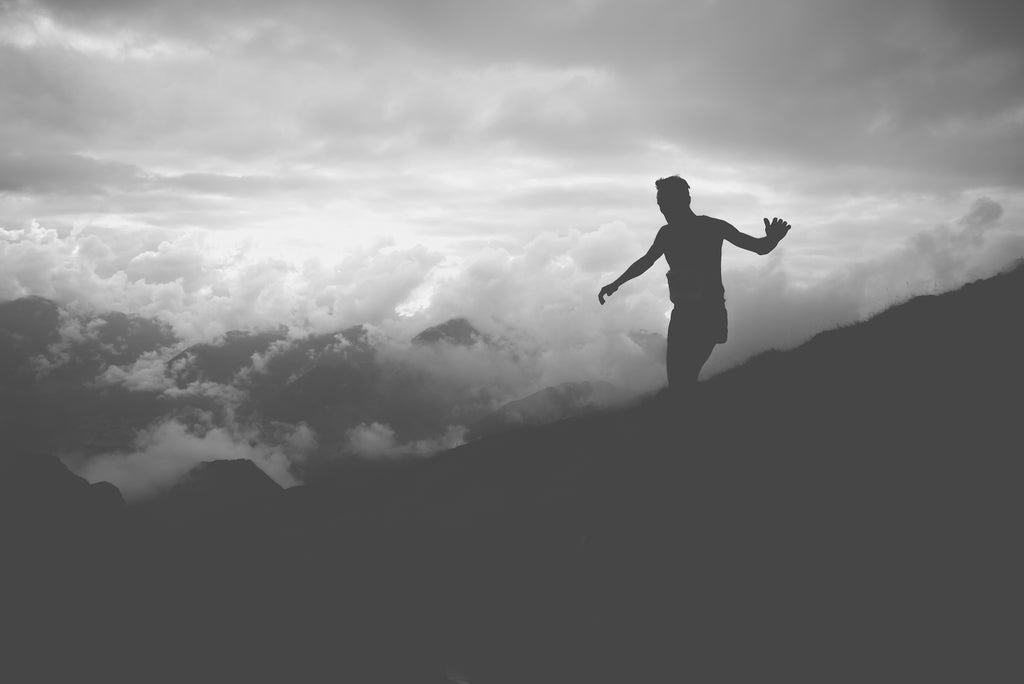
<point x="777" y="229"/>
<point x="606" y="291"/>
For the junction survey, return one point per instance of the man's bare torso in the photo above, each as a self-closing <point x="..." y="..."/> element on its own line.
<point x="693" y="250"/>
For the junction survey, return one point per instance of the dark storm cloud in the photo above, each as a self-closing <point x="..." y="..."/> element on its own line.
<point x="63" y="173"/>
<point x="82" y="183"/>
<point x="984" y="25"/>
<point x="896" y="88"/>
<point x="886" y="87"/>
<point x="58" y="96"/>
<point x="926" y="88"/>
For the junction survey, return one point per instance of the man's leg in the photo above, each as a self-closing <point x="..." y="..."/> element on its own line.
<point x="688" y="351"/>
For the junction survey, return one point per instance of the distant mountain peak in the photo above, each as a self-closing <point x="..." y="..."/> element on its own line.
<point x="29" y="320"/>
<point x="456" y="331"/>
<point x="237" y="477"/>
<point x="213" y="488"/>
<point x="220" y="360"/>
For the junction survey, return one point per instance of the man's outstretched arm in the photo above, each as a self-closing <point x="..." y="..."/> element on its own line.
<point x="773" y="234"/>
<point x="635" y="269"/>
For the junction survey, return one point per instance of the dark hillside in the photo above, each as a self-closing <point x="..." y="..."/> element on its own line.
<point x="845" y="511"/>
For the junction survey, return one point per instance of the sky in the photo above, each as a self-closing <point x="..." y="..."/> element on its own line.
<point x="321" y="164"/>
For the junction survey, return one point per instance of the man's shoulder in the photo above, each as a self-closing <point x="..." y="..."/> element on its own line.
<point x="716" y="224"/>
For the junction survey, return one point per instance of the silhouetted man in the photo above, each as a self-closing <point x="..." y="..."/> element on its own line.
<point x="693" y="247"/>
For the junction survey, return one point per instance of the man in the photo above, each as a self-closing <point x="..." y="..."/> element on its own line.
<point x="692" y="245"/>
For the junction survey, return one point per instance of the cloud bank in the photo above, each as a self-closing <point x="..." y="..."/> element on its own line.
<point x="539" y="297"/>
<point x="380" y="390"/>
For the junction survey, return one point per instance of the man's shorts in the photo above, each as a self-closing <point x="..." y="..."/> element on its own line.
<point x="701" y="318"/>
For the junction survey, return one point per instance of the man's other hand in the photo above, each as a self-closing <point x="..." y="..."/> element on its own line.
<point x="606" y="291"/>
<point x="777" y="229"/>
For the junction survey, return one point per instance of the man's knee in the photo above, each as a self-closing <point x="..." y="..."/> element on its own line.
<point x="684" y="362"/>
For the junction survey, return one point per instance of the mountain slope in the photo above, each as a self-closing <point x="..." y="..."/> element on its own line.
<point x="818" y="507"/>
<point x="549" y="404"/>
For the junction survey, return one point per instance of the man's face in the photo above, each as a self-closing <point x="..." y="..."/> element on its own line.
<point x="675" y="203"/>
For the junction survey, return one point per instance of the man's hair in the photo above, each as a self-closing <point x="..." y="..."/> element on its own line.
<point x="672" y="184"/>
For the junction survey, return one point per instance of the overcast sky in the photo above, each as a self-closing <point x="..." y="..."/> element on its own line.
<point x="396" y="163"/>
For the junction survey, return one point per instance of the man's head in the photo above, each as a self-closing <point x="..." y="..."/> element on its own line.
<point x="673" y="197"/>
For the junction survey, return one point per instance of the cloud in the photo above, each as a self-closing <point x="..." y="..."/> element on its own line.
<point x="204" y="285"/>
<point x="983" y="214"/>
<point x="62" y="173"/>
<point x="537" y="297"/>
<point x="148" y="373"/>
<point x="164" y="453"/>
<point x="377" y="440"/>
